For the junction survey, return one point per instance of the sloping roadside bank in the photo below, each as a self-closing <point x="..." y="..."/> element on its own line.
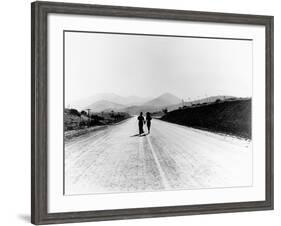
<point x="229" y="117"/>
<point x="68" y="135"/>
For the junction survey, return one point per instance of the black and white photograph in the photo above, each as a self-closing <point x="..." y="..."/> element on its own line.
<point x="143" y="112"/>
<point x="149" y="112"/>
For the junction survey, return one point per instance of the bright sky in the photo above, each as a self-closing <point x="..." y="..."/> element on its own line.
<point x="151" y="65"/>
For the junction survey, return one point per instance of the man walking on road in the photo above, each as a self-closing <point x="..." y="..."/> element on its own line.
<point x="141" y="122"/>
<point x="148" y="121"/>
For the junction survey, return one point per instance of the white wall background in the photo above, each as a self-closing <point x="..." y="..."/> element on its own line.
<point x="15" y="111"/>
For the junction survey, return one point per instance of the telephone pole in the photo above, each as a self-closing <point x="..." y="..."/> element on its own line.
<point x="88" y="110"/>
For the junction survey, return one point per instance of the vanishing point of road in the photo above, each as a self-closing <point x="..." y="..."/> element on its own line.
<point x="116" y="159"/>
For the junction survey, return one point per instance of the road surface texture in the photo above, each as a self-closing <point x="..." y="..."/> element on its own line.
<point x="171" y="157"/>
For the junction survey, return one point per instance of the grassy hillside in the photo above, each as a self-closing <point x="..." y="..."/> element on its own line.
<point x="230" y="117"/>
<point x="75" y="120"/>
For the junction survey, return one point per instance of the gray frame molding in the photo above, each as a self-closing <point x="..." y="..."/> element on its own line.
<point x="39" y="118"/>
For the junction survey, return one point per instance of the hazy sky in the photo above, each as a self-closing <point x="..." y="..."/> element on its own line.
<point x="151" y="65"/>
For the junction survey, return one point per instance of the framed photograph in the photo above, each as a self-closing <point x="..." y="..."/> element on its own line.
<point x="140" y="112"/>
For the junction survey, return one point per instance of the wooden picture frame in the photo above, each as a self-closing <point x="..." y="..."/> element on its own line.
<point x="39" y="109"/>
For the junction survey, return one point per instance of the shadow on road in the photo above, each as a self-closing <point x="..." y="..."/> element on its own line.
<point x="139" y="135"/>
<point x="136" y="135"/>
<point x="143" y="135"/>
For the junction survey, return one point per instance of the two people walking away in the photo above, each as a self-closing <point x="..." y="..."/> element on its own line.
<point x="142" y="122"/>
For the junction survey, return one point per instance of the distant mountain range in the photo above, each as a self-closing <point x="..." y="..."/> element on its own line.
<point x="104" y="105"/>
<point x="109" y="97"/>
<point x="133" y="104"/>
<point x="156" y="104"/>
<point x="165" y="99"/>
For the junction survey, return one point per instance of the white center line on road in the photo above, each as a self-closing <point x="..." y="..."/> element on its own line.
<point x="161" y="172"/>
<point x="141" y="150"/>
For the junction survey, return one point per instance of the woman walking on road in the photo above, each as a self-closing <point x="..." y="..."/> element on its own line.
<point x="148" y="121"/>
<point x="141" y="122"/>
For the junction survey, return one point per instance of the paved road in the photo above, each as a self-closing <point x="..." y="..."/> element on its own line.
<point x="171" y="157"/>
